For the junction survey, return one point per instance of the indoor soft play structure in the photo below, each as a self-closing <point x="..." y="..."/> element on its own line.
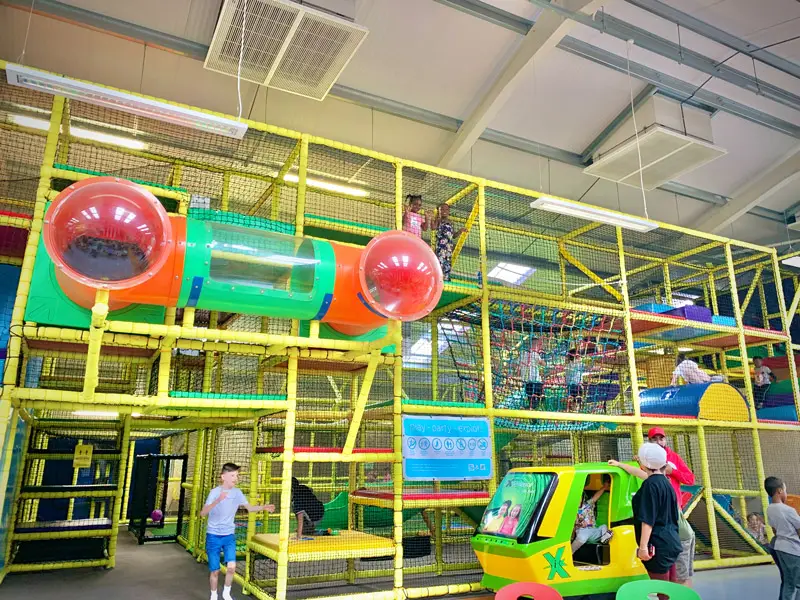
<point x="255" y="300"/>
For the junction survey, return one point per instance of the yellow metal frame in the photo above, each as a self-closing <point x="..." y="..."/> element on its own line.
<point x="204" y="415"/>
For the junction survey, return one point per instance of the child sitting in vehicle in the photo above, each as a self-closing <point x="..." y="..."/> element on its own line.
<point x="586" y="530"/>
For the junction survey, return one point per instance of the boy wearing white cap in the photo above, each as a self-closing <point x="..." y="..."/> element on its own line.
<point x="655" y="516"/>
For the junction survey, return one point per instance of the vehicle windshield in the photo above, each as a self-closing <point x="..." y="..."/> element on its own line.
<point x="514" y="504"/>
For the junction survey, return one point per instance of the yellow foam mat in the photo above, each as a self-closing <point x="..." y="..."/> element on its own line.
<point x="348" y="544"/>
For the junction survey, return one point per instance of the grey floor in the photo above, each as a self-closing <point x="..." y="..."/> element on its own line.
<point x="167" y="572"/>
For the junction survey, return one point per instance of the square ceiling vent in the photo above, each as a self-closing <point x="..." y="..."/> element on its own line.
<point x="286" y="46"/>
<point x="666" y="155"/>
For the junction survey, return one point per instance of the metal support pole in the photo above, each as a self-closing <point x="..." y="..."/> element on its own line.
<point x="288" y="459"/>
<point x="629" y="342"/>
<point x="708" y="493"/>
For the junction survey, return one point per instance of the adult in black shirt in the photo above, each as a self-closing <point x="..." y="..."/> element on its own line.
<point x="655" y="516"/>
<point x="307" y="508"/>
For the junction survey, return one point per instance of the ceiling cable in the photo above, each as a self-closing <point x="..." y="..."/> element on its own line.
<point x="241" y="60"/>
<point x="635" y="128"/>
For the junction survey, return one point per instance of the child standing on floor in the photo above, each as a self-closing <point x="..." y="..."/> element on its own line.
<point x="445" y="239"/>
<point x="414" y="221"/>
<point x="785" y="523"/>
<point x="221" y="507"/>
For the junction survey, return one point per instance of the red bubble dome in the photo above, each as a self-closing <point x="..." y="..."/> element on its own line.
<point x="401" y="276"/>
<point x="107" y="233"/>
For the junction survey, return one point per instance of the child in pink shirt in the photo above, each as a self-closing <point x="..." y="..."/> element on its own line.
<point x="413" y="220"/>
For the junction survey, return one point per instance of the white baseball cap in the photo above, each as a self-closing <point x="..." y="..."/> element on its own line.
<point x="652" y="456"/>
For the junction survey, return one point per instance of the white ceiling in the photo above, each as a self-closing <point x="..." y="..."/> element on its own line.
<point x="567" y="113"/>
<point x="431" y="56"/>
<point x="417" y="46"/>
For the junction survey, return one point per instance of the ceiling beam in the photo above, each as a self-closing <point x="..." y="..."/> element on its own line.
<point x="660" y="9"/>
<point x="677" y="88"/>
<point x="491" y="14"/>
<point x="666" y="84"/>
<point x="783" y="173"/>
<point x="610" y="25"/>
<point x="150" y="37"/>
<point x="550" y="28"/>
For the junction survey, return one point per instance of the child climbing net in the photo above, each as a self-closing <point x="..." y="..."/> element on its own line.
<point x="555" y="360"/>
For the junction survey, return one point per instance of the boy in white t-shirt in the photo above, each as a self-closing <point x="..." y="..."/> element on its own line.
<point x="532" y="362"/>
<point x="687" y="369"/>
<point x="762" y="378"/>
<point x="785" y="522"/>
<point x="220" y="508"/>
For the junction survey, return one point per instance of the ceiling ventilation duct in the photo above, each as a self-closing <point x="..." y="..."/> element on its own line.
<point x="673" y="139"/>
<point x="287" y="45"/>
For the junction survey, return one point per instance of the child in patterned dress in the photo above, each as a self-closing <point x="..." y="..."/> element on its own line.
<point x="445" y="239"/>
<point x="586" y="529"/>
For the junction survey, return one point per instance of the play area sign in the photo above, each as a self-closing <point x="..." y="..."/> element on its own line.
<point x="446" y="448"/>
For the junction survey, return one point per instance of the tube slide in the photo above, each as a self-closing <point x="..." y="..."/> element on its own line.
<point x="109" y="233"/>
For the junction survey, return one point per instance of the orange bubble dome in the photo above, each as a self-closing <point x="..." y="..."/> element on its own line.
<point x="107" y="233"/>
<point x="401" y="276"/>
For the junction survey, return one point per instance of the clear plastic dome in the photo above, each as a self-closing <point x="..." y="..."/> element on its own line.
<point x="401" y="275"/>
<point x="107" y="233"/>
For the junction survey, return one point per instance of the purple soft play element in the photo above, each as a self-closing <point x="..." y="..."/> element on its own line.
<point x="693" y="313"/>
<point x="778" y="400"/>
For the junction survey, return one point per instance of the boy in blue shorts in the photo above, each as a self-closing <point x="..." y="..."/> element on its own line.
<point x="221" y="507"/>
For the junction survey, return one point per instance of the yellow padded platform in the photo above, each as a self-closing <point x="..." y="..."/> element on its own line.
<point x="348" y="544"/>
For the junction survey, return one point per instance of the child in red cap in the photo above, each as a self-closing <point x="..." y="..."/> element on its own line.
<point x="677" y="471"/>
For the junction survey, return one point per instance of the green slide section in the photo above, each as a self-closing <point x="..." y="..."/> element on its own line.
<point x="374" y="517"/>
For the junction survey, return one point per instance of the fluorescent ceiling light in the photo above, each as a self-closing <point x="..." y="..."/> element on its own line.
<point x="49" y="83"/>
<point x="792" y="261"/>
<point x="659" y="351"/>
<point x="327" y="185"/>
<point x="685" y="349"/>
<point x="78" y="132"/>
<point x="94" y="413"/>
<point x="593" y="213"/>
<point x="511" y="273"/>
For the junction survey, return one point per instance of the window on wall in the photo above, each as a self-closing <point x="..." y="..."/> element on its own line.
<point x="511" y="273"/>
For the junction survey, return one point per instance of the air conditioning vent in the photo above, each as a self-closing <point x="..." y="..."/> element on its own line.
<point x="666" y="153"/>
<point x="287" y="46"/>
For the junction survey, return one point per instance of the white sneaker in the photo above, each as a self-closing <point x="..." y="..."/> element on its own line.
<point x="607" y="535"/>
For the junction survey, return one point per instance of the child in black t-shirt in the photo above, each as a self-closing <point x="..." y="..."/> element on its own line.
<point x="307" y="508"/>
<point x="655" y="516"/>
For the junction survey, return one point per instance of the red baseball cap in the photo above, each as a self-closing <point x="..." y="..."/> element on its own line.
<point x="655" y="431"/>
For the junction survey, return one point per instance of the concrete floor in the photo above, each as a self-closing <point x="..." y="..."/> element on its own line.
<point x="166" y="572"/>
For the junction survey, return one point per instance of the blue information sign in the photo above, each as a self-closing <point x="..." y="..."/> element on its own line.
<point x="446" y="448"/>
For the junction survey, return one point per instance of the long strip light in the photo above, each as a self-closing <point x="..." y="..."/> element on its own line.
<point x="329" y="186"/>
<point x="593" y="213"/>
<point x="41" y="81"/>
<point x="79" y="132"/>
